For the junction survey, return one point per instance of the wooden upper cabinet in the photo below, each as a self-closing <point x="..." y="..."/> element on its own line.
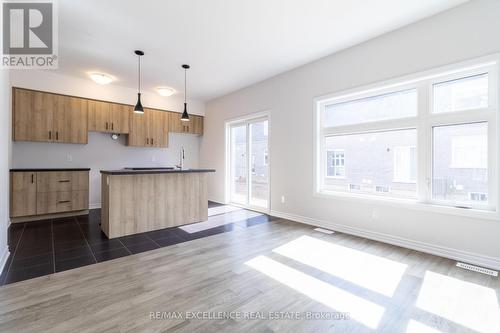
<point x="119" y="118"/>
<point x="70" y="120"/>
<point x="32" y="115"/>
<point x="109" y="117"/>
<point x="23" y="194"/>
<point x="46" y="117"/>
<point x="197" y="125"/>
<point x="99" y="116"/>
<point x="175" y="123"/>
<point x="138" y="130"/>
<point x="157" y="128"/>
<point x="149" y="129"/>
<point x="193" y="126"/>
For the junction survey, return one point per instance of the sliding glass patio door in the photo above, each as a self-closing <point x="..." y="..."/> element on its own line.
<point x="249" y="163"/>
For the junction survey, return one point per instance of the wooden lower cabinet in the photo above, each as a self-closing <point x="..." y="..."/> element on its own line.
<point x="39" y="193"/>
<point x="57" y="202"/>
<point x="145" y="202"/>
<point x="23" y="193"/>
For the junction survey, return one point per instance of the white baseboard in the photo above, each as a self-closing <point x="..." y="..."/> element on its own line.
<point x="3" y="258"/>
<point x="450" y="253"/>
<point x="95" y="206"/>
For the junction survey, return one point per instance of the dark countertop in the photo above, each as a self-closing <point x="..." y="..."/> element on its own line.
<point x="49" y="169"/>
<point x="154" y="171"/>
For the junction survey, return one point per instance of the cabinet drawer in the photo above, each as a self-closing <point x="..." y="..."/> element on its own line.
<point x="63" y="181"/>
<point x="57" y="202"/>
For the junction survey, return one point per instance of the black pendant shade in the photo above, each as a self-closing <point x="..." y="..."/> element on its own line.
<point x="138" y="106"/>
<point x="185" y="115"/>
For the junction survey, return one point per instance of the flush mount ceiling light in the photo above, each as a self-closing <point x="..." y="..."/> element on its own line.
<point x="138" y="106"/>
<point x="185" y="115"/>
<point x="165" y="91"/>
<point x="101" y="78"/>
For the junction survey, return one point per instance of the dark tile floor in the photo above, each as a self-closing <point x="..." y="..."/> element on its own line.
<point x="45" y="247"/>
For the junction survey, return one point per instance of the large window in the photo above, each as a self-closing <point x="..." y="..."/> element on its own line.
<point x="427" y="139"/>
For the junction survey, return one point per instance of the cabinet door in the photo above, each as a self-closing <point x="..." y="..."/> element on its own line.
<point x="156" y="128"/>
<point x="120" y="115"/>
<point x="33" y="115"/>
<point x="174" y="122"/>
<point x="138" y="135"/>
<point x="70" y="120"/>
<point x="23" y="194"/>
<point x="99" y="118"/>
<point x="197" y="124"/>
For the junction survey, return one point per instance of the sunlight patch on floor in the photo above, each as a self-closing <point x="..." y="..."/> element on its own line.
<point x="363" y="269"/>
<point x="362" y="310"/>
<point x="218" y="220"/>
<point x="465" y="303"/>
<point x="222" y="210"/>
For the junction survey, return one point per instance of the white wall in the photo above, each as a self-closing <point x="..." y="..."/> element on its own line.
<point x="4" y="163"/>
<point x="468" y="31"/>
<point x="101" y="152"/>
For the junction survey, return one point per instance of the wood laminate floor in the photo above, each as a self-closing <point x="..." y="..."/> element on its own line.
<point x="272" y="277"/>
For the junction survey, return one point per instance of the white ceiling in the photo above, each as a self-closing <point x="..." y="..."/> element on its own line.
<point x="229" y="44"/>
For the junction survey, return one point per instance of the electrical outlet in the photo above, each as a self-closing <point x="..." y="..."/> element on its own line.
<point x="282" y="199"/>
<point x="69" y="157"/>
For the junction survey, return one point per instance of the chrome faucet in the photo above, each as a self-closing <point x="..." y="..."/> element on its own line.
<point x="181" y="158"/>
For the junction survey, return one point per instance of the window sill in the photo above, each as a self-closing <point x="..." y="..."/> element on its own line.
<point x="409" y="204"/>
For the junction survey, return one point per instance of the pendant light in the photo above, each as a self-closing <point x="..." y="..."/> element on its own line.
<point x="138" y="107"/>
<point x="185" y="115"/>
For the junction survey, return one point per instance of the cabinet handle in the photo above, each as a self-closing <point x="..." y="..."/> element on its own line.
<point x="147" y="141"/>
<point x="50" y="135"/>
<point x="32" y="178"/>
<point x="64" y="201"/>
<point x="151" y="141"/>
<point x="57" y="135"/>
<point x="106" y="125"/>
<point x="64" y="181"/>
<point x="112" y="126"/>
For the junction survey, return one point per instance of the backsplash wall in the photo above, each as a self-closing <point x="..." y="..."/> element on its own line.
<point x="102" y="153"/>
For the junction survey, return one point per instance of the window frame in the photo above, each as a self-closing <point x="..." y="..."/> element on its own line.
<point x="423" y="122"/>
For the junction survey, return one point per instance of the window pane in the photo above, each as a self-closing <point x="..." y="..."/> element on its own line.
<point x="259" y="182"/>
<point x="374" y="163"/>
<point x="239" y="164"/>
<point x="460" y="164"/>
<point x="382" y="107"/>
<point x="462" y="94"/>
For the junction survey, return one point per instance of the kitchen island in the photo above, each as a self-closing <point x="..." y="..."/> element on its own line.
<point x="136" y="201"/>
